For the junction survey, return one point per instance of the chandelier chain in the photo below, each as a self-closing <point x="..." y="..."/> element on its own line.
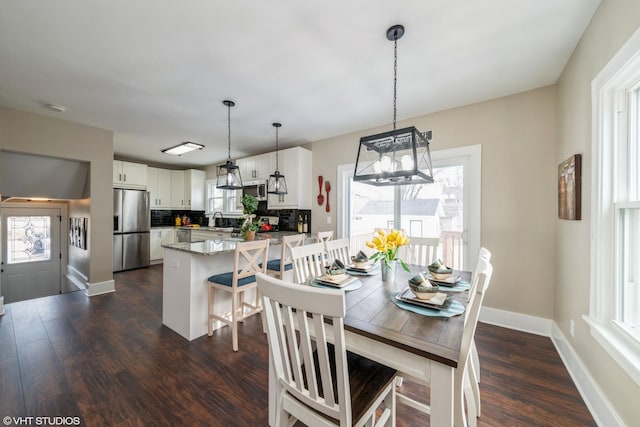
<point x="276" y="148"/>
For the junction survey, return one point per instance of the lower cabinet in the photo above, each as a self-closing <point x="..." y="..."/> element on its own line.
<point x="159" y="237"/>
<point x="198" y="235"/>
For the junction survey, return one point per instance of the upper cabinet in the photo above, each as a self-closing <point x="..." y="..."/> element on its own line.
<point x="295" y="165"/>
<point x="176" y="189"/>
<point x="257" y="168"/>
<point x="194" y="189"/>
<point x="129" y="175"/>
<point x="159" y="186"/>
<point x="178" y="199"/>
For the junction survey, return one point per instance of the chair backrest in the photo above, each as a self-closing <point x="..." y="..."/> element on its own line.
<point x="337" y="249"/>
<point x="308" y="261"/>
<point x="420" y="250"/>
<point x="289" y="242"/>
<point x="249" y="258"/>
<point x="289" y="307"/>
<point x="484" y="256"/>
<point x="483" y="277"/>
<point x="324" y="236"/>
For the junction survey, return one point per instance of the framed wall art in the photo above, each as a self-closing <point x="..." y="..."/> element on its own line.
<point x="569" y="188"/>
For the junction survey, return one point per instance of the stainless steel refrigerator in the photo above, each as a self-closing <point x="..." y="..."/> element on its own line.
<point x="131" y="222"/>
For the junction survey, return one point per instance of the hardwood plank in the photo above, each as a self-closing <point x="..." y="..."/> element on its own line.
<point x="108" y="360"/>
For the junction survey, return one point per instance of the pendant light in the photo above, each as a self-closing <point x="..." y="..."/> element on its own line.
<point x="276" y="184"/>
<point x="229" y="174"/>
<point x="399" y="156"/>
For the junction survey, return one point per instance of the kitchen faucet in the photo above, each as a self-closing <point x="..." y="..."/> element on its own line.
<point x="213" y="219"/>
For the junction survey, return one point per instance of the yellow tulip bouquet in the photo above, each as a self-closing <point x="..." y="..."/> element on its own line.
<point x="387" y="245"/>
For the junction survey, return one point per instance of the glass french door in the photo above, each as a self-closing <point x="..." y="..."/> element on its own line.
<point x="448" y="209"/>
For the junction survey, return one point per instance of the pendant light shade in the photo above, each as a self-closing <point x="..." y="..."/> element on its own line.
<point x="276" y="183"/>
<point x="229" y="174"/>
<point x="397" y="157"/>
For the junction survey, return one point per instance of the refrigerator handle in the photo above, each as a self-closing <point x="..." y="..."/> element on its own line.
<point x="116" y="223"/>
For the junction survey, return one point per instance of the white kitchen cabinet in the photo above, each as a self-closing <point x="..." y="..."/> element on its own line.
<point x="257" y="168"/>
<point x="295" y="165"/>
<point x="159" y="186"/>
<point x="194" y="189"/>
<point x="178" y="200"/>
<point x="129" y="175"/>
<point x="159" y="237"/>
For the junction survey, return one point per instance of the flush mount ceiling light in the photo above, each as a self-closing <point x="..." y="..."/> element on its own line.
<point x="185" y="147"/>
<point x="397" y="157"/>
<point x="276" y="184"/>
<point x="229" y="174"/>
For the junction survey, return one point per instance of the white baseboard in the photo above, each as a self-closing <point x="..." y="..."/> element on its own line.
<point x="599" y="406"/>
<point x="520" y="322"/>
<point x="100" y="288"/>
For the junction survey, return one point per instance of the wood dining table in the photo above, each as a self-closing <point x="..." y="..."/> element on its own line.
<point x="423" y="348"/>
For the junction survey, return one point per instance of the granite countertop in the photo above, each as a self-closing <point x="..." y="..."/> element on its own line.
<point x="227" y="244"/>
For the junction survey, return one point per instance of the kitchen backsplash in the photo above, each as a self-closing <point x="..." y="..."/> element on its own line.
<point x="160" y="218"/>
<point x="288" y="218"/>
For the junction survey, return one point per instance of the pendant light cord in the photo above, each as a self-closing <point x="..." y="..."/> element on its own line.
<point x="395" y="76"/>
<point x="229" y="129"/>
<point x="276" y="148"/>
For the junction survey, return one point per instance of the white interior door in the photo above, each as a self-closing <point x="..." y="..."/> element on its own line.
<point x="31" y="253"/>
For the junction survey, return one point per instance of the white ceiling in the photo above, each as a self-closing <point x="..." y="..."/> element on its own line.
<point x="156" y="72"/>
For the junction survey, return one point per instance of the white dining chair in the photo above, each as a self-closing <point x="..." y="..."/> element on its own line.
<point x="249" y="258"/>
<point x="323" y="236"/>
<point x="278" y="267"/>
<point x="319" y="382"/>
<point x="464" y="401"/>
<point x="308" y="261"/>
<point x="484" y="256"/>
<point x="420" y="250"/>
<point x="338" y="249"/>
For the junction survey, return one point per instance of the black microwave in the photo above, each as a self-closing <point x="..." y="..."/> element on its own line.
<point x="257" y="189"/>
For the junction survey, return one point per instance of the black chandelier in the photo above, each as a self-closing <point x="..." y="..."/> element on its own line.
<point x="399" y="156"/>
<point x="276" y="183"/>
<point x="229" y="174"/>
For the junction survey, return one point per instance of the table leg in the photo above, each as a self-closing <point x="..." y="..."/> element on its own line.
<point x="442" y="399"/>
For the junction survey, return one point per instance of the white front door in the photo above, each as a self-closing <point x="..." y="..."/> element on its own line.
<point x="31" y="255"/>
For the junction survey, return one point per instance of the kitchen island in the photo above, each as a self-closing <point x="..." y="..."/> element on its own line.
<point x="187" y="266"/>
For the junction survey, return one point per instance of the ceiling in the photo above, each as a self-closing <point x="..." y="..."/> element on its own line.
<point x="156" y="72"/>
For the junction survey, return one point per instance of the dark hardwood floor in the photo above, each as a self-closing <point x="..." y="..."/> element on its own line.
<point x="109" y="361"/>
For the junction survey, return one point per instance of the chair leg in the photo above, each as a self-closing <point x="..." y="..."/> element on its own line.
<point x="210" y="317"/>
<point x="472" y="413"/>
<point x="241" y="305"/>
<point x="234" y="320"/>
<point x="474" y="376"/>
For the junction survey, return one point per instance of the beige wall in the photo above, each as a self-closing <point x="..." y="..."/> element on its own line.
<point x="612" y="25"/>
<point x="35" y="134"/>
<point x="517" y="134"/>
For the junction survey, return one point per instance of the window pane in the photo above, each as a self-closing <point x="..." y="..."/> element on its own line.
<point x="629" y="236"/>
<point x="28" y="239"/>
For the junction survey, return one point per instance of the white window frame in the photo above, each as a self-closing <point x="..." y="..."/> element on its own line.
<point x="609" y="94"/>
<point x="229" y="207"/>
<point x="471" y="157"/>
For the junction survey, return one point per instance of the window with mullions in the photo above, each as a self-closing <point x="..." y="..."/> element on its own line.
<point x="226" y="201"/>
<point x="614" y="313"/>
